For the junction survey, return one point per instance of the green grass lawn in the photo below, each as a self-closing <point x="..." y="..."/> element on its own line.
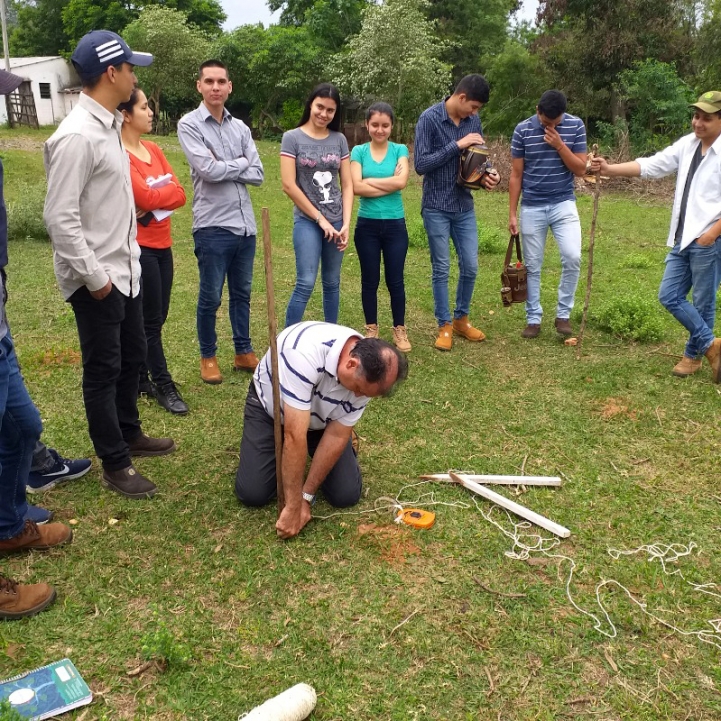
<point x="193" y="573"/>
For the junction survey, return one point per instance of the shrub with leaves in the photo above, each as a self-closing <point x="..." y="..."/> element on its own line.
<point x="631" y="317"/>
<point x="162" y="646"/>
<point x="8" y="713"/>
<point x="25" y="215"/>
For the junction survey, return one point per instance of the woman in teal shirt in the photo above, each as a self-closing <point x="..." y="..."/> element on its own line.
<point x="380" y="171"/>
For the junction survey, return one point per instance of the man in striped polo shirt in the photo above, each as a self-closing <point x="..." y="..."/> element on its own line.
<point x="548" y="150"/>
<point x="327" y="375"/>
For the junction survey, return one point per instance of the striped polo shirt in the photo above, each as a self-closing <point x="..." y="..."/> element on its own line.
<point x="546" y="179"/>
<point x="308" y="355"/>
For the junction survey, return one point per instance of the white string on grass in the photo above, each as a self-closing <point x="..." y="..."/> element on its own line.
<point x="294" y="704"/>
<point x="525" y="544"/>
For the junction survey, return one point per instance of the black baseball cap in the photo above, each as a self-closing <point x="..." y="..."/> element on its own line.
<point x="99" y="49"/>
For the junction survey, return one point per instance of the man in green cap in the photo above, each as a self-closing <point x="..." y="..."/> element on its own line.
<point x="694" y="261"/>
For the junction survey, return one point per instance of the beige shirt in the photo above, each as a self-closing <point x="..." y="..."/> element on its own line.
<point x="89" y="208"/>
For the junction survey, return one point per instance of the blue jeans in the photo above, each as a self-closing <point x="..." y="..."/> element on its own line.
<point x="462" y="229"/>
<point x="372" y="238"/>
<point x="312" y="250"/>
<point x="222" y="254"/>
<point x="562" y="219"/>
<point x="697" y="267"/>
<point x="20" y="428"/>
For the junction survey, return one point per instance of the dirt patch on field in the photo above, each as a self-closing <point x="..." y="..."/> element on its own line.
<point x="392" y="541"/>
<point x="613" y="407"/>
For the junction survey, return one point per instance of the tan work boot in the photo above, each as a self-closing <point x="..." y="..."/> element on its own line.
<point x="714" y="358"/>
<point x="463" y="327"/>
<point x="445" y="337"/>
<point x="19" y="600"/>
<point x="37" y="538"/>
<point x="371" y="330"/>
<point x="400" y="338"/>
<point x="209" y="371"/>
<point x="686" y="367"/>
<point x="245" y="362"/>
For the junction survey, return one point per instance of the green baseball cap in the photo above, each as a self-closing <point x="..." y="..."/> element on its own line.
<point x="709" y="102"/>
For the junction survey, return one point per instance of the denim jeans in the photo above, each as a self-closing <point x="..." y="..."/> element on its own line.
<point x="20" y="428"/>
<point x="562" y="219"/>
<point x="157" y="282"/>
<point x="255" y="479"/>
<point x="462" y="229"/>
<point x="222" y="254"/>
<point x="697" y="267"/>
<point x="372" y="238"/>
<point x="113" y="347"/>
<point x="312" y="250"/>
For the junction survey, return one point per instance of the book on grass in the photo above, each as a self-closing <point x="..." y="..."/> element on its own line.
<point x="46" y="691"/>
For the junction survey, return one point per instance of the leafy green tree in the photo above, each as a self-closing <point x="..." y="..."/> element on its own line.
<point x="707" y="50"/>
<point x="396" y="58"/>
<point x="271" y="69"/>
<point x="50" y="27"/>
<point x="472" y="30"/>
<point x="517" y="78"/>
<point x="178" y="46"/>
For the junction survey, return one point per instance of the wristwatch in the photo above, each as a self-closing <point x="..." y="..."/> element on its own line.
<point x="310" y="497"/>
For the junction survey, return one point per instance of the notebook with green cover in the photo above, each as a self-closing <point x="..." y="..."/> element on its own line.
<point x="46" y="691"/>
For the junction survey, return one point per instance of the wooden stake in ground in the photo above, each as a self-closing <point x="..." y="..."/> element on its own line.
<point x="591" y="241"/>
<point x="273" y="343"/>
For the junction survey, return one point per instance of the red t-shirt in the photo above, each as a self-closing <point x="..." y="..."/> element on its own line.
<point x="169" y="197"/>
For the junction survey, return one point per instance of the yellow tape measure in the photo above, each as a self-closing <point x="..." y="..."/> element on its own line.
<point x="416" y="517"/>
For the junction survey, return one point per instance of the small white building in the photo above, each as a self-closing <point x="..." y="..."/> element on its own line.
<point x="54" y="84"/>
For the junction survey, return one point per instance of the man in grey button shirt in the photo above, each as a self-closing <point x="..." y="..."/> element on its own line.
<point x="223" y="160"/>
<point x="90" y="217"/>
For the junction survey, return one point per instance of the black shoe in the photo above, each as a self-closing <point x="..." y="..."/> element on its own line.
<point x="169" y="398"/>
<point x="146" y="388"/>
<point x="143" y="445"/>
<point x="129" y="483"/>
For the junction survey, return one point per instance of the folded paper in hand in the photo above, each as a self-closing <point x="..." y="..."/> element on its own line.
<point x="156" y="183"/>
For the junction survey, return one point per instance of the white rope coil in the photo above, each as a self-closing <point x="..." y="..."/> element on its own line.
<point x="294" y="704"/>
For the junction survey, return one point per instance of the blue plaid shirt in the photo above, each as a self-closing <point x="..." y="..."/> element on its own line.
<point x="436" y="157"/>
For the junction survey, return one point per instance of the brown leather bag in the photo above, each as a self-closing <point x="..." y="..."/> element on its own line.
<point x="473" y="165"/>
<point x="513" y="278"/>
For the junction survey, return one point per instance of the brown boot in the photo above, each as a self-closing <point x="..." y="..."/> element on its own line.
<point x="400" y="339"/>
<point x="463" y="327"/>
<point x="245" y="362"/>
<point x="129" y="483"/>
<point x="445" y="337"/>
<point x="714" y="358"/>
<point x="143" y="445"/>
<point x="19" y="600"/>
<point x="371" y="330"/>
<point x="686" y="367"/>
<point x="37" y="538"/>
<point x="209" y="371"/>
<point x="531" y="330"/>
<point x="563" y="327"/>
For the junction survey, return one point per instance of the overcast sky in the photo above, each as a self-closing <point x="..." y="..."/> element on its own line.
<point x="242" y="12"/>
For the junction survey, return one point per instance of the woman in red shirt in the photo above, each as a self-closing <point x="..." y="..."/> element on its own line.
<point x="157" y="192"/>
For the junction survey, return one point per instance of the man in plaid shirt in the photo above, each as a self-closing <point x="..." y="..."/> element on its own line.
<point x="443" y="132"/>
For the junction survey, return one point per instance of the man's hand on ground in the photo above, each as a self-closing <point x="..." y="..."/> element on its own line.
<point x="292" y="520"/>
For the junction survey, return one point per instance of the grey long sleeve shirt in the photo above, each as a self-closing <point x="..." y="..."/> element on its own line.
<point x="223" y="160"/>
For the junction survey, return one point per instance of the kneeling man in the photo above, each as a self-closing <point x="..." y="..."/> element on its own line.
<point x="327" y="375"/>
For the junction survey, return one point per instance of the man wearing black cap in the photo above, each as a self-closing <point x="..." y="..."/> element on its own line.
<point x="90" y="216"/>
<point x="694" y="260"/>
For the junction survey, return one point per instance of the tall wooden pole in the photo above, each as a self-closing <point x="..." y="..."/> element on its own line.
<point x="273" y="343"/>
<point x="591" y="243"/>
<point x="6" y="53"/>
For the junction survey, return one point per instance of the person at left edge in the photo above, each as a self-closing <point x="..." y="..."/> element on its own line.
<point x="90" y="217"/>
<point x="223" y="162"/>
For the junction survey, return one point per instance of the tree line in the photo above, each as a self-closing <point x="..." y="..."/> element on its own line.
<point x="628" y="67"/>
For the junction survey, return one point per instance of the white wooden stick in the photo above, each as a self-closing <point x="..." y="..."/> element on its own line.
<point x="511" y="506"/>
<point x="500" y="480"/>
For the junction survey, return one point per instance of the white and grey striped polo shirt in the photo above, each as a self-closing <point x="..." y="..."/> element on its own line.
<point x="308" y="356"/>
